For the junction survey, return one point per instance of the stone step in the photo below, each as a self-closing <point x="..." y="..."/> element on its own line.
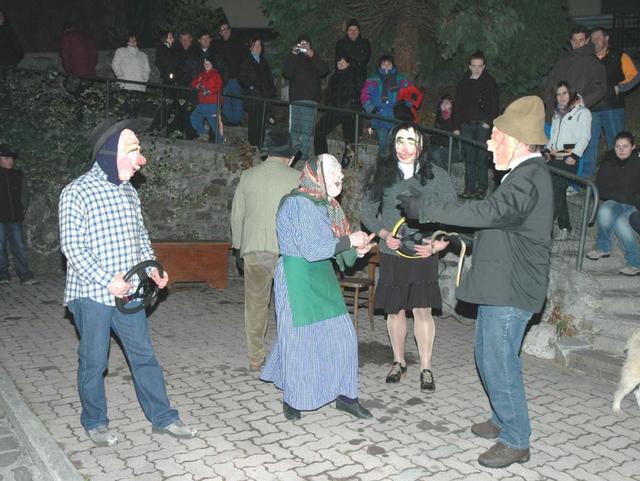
<point x="612" y="332"/>
<point x="597" y="363"/>
<point x="619" y="301"/>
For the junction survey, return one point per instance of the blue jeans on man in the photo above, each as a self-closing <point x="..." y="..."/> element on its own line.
<point x="232" y="108"/>
<point x="208" y="112"/>
<point x="95" y="322"/>
<point x="302" y="121"/>
<point x="613" y="217"/>
<point x="476" y="163"/>
<point x="11" y="232"/>
<point x="612" y="122"/>
<point x="499" y="334"/>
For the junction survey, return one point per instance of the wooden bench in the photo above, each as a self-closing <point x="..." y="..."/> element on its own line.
<point x="194" y="261"/>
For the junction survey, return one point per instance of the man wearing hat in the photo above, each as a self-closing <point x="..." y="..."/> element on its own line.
<point x="13" y="204"/>
<point x="253" y="229"/>
<point x="102" y="236"/>
<point x="509" y="277"/>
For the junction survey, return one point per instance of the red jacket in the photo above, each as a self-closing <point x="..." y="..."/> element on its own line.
<point x="79" y="54"/>
<point x="412" y="95"/>
<point x="209" y="85"/>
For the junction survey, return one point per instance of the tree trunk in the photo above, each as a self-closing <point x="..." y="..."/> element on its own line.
<point x="405" y="47"/>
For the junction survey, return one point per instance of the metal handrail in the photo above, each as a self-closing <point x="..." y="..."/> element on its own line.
<point x="591" y="195"/>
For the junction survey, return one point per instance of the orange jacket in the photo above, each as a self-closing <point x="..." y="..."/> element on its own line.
<point x="209" y="85"/>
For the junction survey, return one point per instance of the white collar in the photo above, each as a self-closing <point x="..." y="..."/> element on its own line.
<point x="517" y="161"/>
<point x="407" y="169"/>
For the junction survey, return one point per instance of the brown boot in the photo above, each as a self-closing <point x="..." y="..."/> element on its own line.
<point x="500" y="456"/>
<point x="486" y="430"/>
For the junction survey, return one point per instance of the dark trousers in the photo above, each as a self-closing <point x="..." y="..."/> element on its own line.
<point x="327" y="123"/>
<point x="256" y="117"/>
<point x="476" y="163"/>
<point x="634" y="221"/>
<point x="560" y="184"/>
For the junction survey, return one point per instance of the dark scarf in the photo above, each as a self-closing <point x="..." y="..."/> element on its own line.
<point x="389" y="82"/>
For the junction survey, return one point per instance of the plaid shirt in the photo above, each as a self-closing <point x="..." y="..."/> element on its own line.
<point x="102" y="234"/>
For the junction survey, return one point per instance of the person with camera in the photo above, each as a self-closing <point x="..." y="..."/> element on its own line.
<point x="304" y="70"/>
<point x="570" y="134"/>
<point x="209" y="85"/>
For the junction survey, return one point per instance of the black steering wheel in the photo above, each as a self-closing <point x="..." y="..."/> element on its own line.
<point x="146" y="291"/>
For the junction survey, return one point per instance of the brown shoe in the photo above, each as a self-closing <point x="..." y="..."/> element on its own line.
<point x="486" y="430"/>
<point x="500" y="456"/>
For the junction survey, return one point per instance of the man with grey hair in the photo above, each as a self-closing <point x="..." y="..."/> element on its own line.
<point x="510" y="273"/>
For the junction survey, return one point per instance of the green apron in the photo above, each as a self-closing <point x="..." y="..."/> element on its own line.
<point x="314" y="292"/>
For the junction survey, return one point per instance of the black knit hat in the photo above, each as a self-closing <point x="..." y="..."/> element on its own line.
<point x="6" y="151"/>
<point x="353" y="23"/>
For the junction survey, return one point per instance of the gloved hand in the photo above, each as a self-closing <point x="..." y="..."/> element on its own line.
<point x="239" y="262"/>
<point x="410" y="203"/>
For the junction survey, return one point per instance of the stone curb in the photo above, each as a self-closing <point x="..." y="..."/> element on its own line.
<point x="52" y="463"/>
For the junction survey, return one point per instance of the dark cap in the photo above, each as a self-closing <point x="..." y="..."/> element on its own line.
<point x="105" y="129"/>
<point x="6" y="151"/>
<point x="278" y="144"/>
<point x="353" y="23"/>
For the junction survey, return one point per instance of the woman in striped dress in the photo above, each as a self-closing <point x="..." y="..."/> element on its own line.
<point x="314" y="360"/>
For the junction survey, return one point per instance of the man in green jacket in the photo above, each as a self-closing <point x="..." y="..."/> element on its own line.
<point x="510" y="272"/>
<point x="253" y="228"/>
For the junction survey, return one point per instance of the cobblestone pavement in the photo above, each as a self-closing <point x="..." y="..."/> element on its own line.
<point x="15" y="462"/>
<point x="199" y="339"/>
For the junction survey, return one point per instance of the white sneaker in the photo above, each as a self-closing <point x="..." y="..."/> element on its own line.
<point x="563" y="234"/>
<point x="30" y="282"/>
<point x="5" y="282"/>
<point x="102" y="436"/>
<point x="177" y="429"/>
<point x="571" y="190"/>
<point x="630" y="271"/>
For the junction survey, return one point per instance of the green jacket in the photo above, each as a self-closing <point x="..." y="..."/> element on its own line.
<point x="255" y="203"/>
<point x="511" y="250"/>
<point x="384" y="214"/>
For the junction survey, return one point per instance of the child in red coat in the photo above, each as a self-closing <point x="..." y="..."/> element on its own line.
<point x="209" y="86"/>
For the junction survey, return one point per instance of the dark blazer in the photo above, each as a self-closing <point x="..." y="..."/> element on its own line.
<point x="256" y="78"/>
<point x="512" y="248"/>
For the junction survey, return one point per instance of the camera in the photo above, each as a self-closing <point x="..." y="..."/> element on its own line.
<point x="299" y="49"/>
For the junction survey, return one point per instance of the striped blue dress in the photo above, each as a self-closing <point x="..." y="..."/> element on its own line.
<point x="316" y="363"/>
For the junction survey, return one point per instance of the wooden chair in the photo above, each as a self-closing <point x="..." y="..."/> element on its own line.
<point x="353" y="287"/>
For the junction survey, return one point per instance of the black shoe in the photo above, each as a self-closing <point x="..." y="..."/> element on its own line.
<point x="397" y="372"/>
<point x="501" y="456"/>
<point x="479" y="195"/>
<point x="486" y="430"/>
<point x="426" y="381"/>
<point x="466" y="195"/>
<point x="290" y="413"/>
<point x="354" y="408"/>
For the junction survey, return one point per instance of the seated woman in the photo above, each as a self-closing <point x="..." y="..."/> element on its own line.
<point x="209" y="86"/>
<point x="314" y="360"/>
<point x="570" y="134"/>
<point x="618" y="181"/>
<point x="406" y="283"/>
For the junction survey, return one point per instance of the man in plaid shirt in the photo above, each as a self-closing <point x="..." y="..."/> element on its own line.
<point x="102" y="235"/>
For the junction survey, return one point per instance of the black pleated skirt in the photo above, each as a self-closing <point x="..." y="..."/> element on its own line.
<point x="407" y="283"/>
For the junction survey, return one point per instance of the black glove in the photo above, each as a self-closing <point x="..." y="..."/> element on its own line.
<point x="410" y="204"/>
<point x="239" y="262"/>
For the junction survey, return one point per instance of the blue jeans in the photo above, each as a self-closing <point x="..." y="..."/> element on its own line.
<point x="208" y="112"/>
<point x="614" y="217"/>
<point x="95" y="322"/>
<point x="476" y="163"/>
<point x="232" y="108"/>
<point x="499" y="334"/>
<point x="12" y="232"/>
<point x="612" y="121"/>
<point x="383" y="140"/>
<point x="302" y="121"/>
